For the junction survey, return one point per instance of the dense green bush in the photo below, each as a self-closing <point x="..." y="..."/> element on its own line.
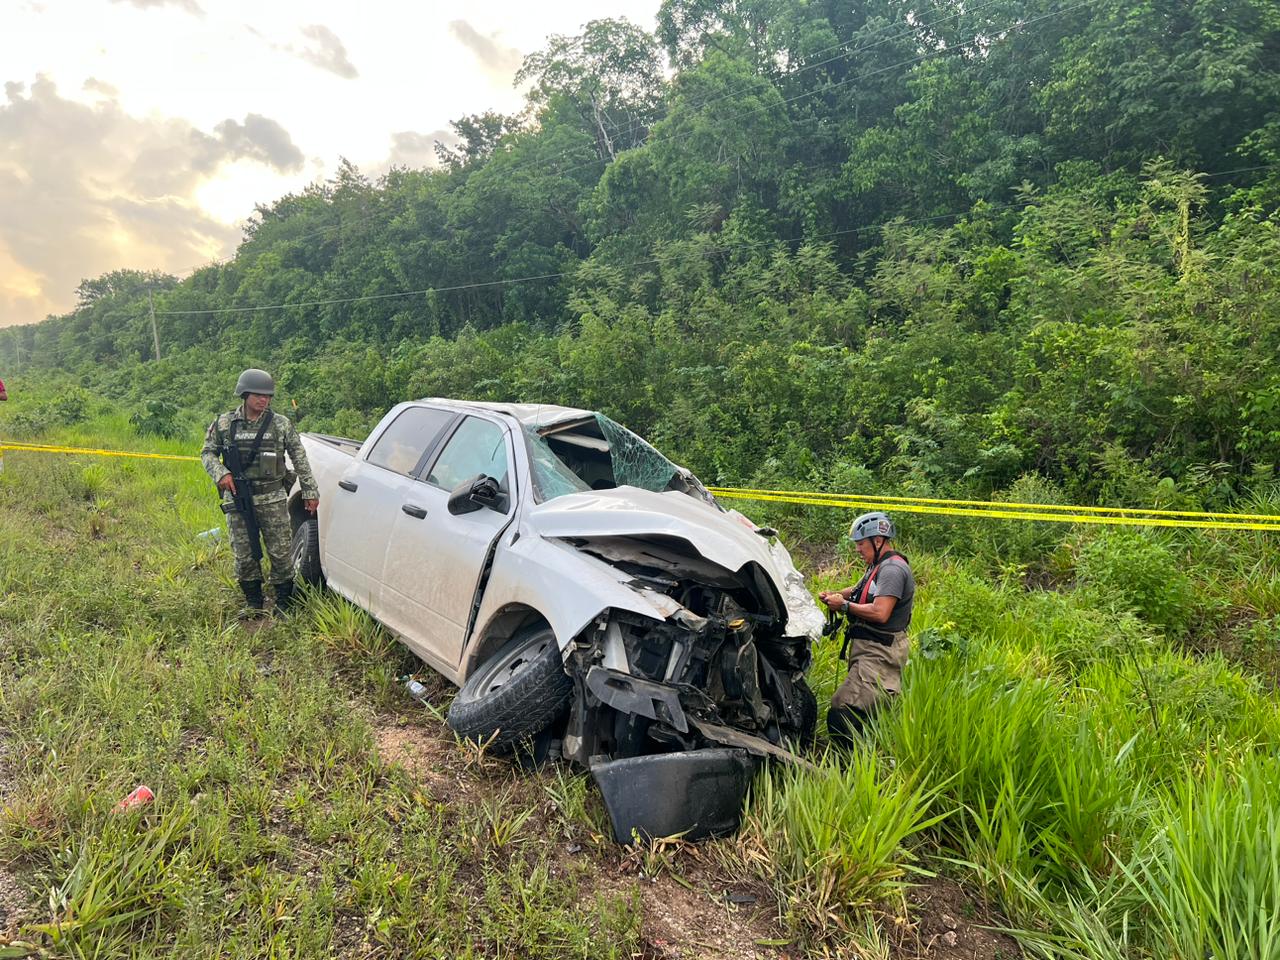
<point x="157" y="418"/>
<point x="1137" y="571"/>
<point x="30" y="418"/>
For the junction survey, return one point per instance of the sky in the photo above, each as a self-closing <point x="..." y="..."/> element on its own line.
<point x="140" y="133"/>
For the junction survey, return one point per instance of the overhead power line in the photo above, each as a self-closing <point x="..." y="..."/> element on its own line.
<point x="1008" y="31"/>
<point x="569" y="273"/>
<point x="722" y="247"/>
<point x="552" y="276"/>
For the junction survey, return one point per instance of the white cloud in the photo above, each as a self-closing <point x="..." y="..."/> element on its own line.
<point x="412" y="149"/>
<point x="88" y="188"/>
<point x="101" y="87"/>
<point x="188" y="5"/>
<point x="327" y="51"/>
<point x="498" y="59"/>
<point x="157" y="105"/>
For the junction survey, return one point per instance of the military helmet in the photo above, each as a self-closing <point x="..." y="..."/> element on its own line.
<point x="875" y="524"/>
<point x="254" y="380"/>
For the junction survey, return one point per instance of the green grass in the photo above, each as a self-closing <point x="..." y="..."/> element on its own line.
<point x="833" y="838"/>
<point x="278" y="830"/>
<point x="1112" y="793"/>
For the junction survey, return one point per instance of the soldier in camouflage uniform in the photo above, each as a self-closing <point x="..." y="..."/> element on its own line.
<point x="271" y="481"/>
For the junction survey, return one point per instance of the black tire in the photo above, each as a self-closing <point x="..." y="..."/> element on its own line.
<point x="514" y="695"/>
<point x="305" y="550"/>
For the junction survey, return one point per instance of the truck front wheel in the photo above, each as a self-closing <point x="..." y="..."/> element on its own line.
<point x="514" y="695"/>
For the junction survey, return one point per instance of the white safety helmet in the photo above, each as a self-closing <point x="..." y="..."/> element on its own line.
<point x="875" y="524"/>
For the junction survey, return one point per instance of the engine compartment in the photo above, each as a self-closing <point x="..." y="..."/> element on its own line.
<point x="719" y="670"/>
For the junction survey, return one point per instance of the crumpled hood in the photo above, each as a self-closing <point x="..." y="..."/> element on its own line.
<point x="719" y="537"/>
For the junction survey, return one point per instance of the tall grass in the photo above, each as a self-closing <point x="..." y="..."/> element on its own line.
<point x="833" y="839"/>
<point x="1037" y="796"/>
<point x="1203" y="880"/>
<point x="1208" y="876"/>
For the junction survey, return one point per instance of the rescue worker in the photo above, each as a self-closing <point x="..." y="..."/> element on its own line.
<point x="262" y="438"/>
<point x="878" y="608"/>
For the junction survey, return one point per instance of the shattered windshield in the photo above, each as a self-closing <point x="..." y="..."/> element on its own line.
<point x="594" y="454"/>
<point x="635" y="463"/>
<point x="551" y="477"/>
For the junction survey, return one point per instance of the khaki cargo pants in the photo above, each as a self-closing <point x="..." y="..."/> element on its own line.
<point x="875" y="673"/>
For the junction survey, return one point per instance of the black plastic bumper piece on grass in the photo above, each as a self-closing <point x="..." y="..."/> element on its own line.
<point x="696" y="794"/>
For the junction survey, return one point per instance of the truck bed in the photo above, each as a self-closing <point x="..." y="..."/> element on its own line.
<point x="347" y="446"/>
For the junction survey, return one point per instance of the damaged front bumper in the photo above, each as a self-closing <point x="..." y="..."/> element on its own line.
<point x="672" y="717"/>
<point x="693" y="795"/>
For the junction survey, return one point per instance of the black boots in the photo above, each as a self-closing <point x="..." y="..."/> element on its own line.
<point x="253" y="599"/>
<point x="284" y="597"/>
<point x="844" y="724"/>
<point x="252" y="590"/>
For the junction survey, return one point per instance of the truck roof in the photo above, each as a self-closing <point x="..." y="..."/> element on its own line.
<point x="533" y="415"/>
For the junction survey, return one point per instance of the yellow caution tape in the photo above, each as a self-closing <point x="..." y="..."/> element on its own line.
<point x="46" y="448"/>
<point x="849" y="503"/>
<point x="1036" y="507"/>
<point x="1043" y="512"/>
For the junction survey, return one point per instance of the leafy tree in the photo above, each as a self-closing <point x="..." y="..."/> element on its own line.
<point x="610" y="76"/>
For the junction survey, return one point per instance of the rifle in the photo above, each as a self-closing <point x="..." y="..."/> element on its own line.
<point x="242" y="497"/>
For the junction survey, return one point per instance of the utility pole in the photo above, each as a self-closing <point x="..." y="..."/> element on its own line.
<point x="154" y="335"/>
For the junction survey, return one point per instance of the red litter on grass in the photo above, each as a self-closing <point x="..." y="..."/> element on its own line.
<point x="141" y="794"/>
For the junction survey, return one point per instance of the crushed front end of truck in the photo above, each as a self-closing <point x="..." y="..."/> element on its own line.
<point x="673" y="716"/>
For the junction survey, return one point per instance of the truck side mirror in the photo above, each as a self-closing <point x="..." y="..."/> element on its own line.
<point x="476" y="494"/>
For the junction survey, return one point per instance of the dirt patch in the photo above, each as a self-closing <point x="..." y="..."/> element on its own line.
<point x="946" y="923"/>
<point x="697" y="917"/>
<point x="702" y="914"/>
<point x="814" y="558"/>
<point x="16" y="902"/>
<point x="1241" y="637"/>
<point x="428" y="754"/>
<point x="691" y="908"/>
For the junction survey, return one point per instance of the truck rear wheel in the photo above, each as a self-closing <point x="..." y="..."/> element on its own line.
<point x="305" y="550"/>
<point x="515" y="695"/>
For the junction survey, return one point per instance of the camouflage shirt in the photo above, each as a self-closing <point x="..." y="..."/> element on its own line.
<point x="281" y="437"/>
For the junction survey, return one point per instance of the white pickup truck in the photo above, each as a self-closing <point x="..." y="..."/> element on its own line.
<point x="590" y="597"/>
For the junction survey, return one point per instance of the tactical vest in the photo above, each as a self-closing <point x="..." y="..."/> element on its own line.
<point x="268" y="466"/>
<point x="857" y="629"/>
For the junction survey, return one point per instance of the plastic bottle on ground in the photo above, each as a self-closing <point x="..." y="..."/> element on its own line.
<point x="415" y="689"/>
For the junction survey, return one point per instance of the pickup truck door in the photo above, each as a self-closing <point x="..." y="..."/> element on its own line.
<point x="434" y="559"/>
<point x="368" y="499"/>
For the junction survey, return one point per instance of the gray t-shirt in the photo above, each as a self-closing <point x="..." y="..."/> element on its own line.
<point x="894" y="579"/>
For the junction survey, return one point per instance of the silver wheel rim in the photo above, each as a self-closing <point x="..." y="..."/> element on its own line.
<point x="497" y="672"/>
<point x="299" y="551"/>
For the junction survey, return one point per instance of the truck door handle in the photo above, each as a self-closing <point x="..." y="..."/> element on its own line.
<point x="348" y="485"/>
<point x="413" y="510"/>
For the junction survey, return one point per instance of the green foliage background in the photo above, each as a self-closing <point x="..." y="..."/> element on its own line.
<point x="1026" y="251"/>
<point x="952" y="245"/>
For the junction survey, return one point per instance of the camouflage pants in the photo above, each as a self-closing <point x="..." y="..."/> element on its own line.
<point x="277" y="534"/>
<point x="875" y="672"/>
